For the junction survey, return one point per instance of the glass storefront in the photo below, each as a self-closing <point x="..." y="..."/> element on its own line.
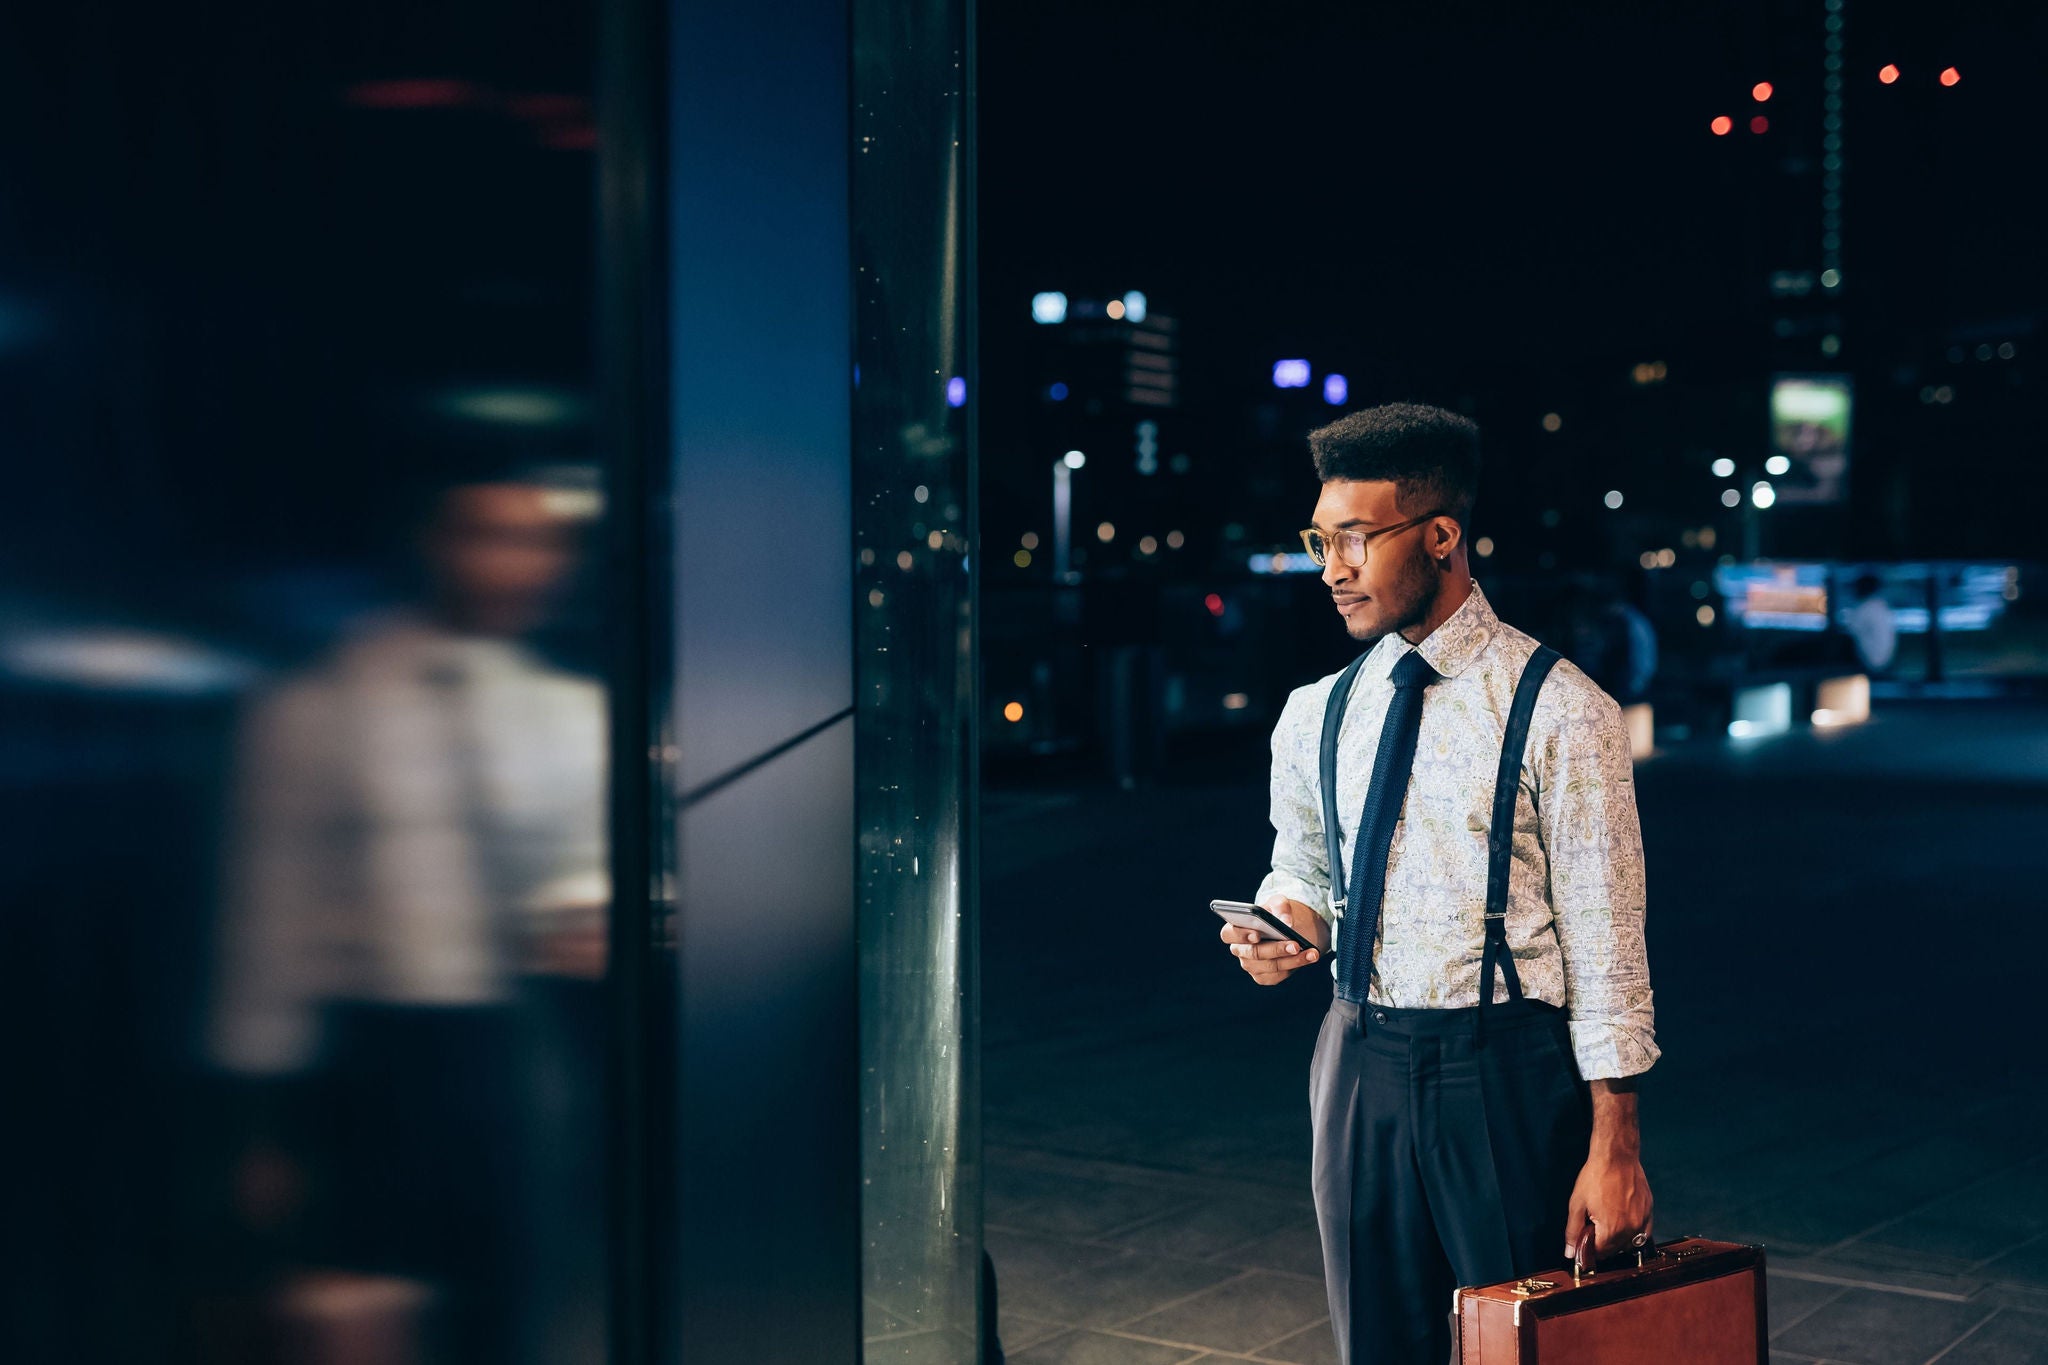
<point x="487" y="673"/>
<point x="915" y="636"/>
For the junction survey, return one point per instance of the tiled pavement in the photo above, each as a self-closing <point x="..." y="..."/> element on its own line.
<point x="1147" y="1151"/>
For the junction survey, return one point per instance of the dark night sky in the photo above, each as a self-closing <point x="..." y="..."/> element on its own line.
<point x="1456" y="177"/>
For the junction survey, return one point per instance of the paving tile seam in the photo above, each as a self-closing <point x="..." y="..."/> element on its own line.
<point x="2003" y="1173"/>
<point x="1963" y="1338"/>
<point x="1221" y="1259"/>
<point x="1877" y="1286"/>
<point x="1175" y="1303"/>
<point x="1096" y="1244"/>
<point x="1266" y="1346"/>
<point x="1209" y="1352"/>
<point x="1778" y="1329"/>
<point x="2017" y="1246"/>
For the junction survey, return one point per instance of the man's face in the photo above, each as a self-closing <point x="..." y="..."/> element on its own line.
<point x="1398" y="584"/>
<point x="499" y="553"/>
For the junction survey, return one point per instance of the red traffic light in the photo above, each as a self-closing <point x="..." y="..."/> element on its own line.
<point x="1888" y="73"/>
<point x="1722" y="126"/>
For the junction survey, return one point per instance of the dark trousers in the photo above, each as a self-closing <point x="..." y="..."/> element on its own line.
<point x="1439" y="1162"/>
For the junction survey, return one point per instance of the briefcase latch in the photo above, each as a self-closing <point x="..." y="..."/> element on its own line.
<point x="1524" y="1288"/>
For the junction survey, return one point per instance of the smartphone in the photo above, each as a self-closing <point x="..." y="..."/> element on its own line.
<point x="1259" y="920"/>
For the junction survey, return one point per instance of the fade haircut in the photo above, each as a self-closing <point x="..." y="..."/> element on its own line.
<point x="1430" y="456"/>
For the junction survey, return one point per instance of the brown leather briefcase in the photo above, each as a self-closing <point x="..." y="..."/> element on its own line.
<point x="1690" y="1301"/>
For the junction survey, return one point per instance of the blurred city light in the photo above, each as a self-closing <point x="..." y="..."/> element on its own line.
<point x="1106" y="532"/>
<point x="1761" y="91"/>
<point x="1778" y="465"/>
<point x="1290" y="374"/>
<point x="1236" y="701"/>
<point x="1214" y="602"/>
<point x="1951" y="76"/>
<point x="1148" y="545"/>
<point x="1058" y="393"/>
<point x="1759" y="124"/>
<point x="1013" y="712"/>
<point x="1613" y="498"/>
<point x="1115" y="309"/>
<point x="1484" y="547"/>
<point x="1030" y="540"/>
<point x="514" y="407"/>
<point x="1731" y="497"/>
<point x="1552" y="422"/>
<point x="1722" y="125"/>
<point x="1761" y="711"/>
<point x="956" y="392"/>
<point x="1705" y="616"/>
<point x="1830" y="279"/>
<point x="1174" y="540"/>
<point x="1724" y="467"/>
<point x="1049" y="307"/>
<point x="1022" y="559"/>
<point x="1762" y="494"/>
<point x="1888" y="74"/>
<point x="1134" y="307"/>
<point x="1073" y="459"/>
<point x="114" y="659"/>
<point x="1336" y="390"/>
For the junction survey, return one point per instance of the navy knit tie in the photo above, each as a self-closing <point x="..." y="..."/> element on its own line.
<point x="1383" y="799"/>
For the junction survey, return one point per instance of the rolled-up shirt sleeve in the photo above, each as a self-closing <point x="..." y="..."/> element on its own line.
<point x="1586" y="805"/>
<point x="1300" y="861"/>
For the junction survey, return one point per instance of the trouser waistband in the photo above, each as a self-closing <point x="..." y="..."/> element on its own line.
<point x="1425" y="1023"/>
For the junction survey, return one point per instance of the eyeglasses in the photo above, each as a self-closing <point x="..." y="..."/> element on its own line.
<point x="1353" y="546"/>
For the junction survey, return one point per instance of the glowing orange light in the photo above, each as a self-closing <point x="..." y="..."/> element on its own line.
<point x="1014" y="712"/>
<point x="1115" y="310"/>
<point x="1951" y="76"/>
<point x="1888" y="74"/>
<point x="1759" y="124"/>
<point x="1761" y="90"/>
<point x="1722" y="126"/>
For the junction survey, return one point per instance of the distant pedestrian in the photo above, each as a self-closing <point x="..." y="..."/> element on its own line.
<point x="1466" y="1131"/>
<point x="1872" y="625"/>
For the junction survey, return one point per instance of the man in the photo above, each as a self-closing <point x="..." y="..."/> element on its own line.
<point x="417" y="925"/>
<point x="1455" y="1144"/>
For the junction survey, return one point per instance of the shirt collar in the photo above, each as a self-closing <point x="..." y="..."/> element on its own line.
<point x="1452" y="647"/>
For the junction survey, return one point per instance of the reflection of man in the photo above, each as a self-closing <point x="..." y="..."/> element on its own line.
<point x="422" y="850"/>
<point x="1472" y="1095"/>
<point x="1872" y="626"/>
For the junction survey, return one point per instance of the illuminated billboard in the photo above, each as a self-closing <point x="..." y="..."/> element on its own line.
<point x="1810" y="437"/>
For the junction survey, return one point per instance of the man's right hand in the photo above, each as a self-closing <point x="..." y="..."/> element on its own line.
<point x="1271" y="961"/>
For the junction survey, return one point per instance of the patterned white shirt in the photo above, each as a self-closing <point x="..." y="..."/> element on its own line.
<point x="1576" y="889"/>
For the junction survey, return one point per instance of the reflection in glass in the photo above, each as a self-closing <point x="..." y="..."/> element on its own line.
<point x="302" y="753"/>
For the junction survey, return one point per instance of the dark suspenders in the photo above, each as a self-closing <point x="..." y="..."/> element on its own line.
<point x="1500" y="834"/>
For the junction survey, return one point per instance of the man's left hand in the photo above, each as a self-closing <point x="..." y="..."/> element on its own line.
<point x="1613" y="1195"/>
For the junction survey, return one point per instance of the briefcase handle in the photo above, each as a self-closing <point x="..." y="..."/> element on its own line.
<point x="1582" y="1254"/>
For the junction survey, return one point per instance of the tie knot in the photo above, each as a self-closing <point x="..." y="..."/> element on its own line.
<point x="1412" y="670"/>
